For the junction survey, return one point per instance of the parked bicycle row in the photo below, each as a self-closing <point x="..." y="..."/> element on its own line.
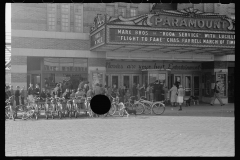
<point x="60" y="107"/>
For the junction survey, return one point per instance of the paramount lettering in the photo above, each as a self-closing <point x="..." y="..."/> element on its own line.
<point x="190" y="23"/>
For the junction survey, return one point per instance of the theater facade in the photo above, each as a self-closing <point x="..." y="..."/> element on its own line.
<point x="188" y="46"/>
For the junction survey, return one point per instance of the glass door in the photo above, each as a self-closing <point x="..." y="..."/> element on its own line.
<point x="153" y="76"/>
<point x="115" y="80"/>
<point x="136" y="79"/>
<point x="196" y="86"/>
<point x="178" y="79"/>
<point x="126" y="81"/>
<point x="188" y="85"/>
<point x="36" y="79"/>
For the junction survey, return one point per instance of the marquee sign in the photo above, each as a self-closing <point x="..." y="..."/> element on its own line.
<point x="143" y="36"/>
<point x="187" y="27"/>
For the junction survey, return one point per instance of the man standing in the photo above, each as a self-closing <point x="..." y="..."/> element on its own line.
<point x="156" y="90"/>
<point x="134" y="90"/>
<point x="30" y="92"/>
<point x="97" y="90"/>
<point x="217" y="90"/>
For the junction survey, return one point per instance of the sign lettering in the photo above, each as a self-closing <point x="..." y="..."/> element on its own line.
<point x="171" y="37"/>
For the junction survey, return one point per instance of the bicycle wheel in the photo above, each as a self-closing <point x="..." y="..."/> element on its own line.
<point x="158" y="108"/>
<point x="112" y="110"/>
<point x="128" y="105"/>
<point x="139" y="108"/>
<point x="147" y="108"/>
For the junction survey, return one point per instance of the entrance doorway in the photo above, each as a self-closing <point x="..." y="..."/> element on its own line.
<point x="136" y="79"/>
<point x="126" y="81"/>
<point x="188" y="85"/>
<point x="34" y="79"/>
<point x="196" y="86"/>
<point x="115" y="80"/>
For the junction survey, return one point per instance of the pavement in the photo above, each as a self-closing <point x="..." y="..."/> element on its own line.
<point x="200" y="130"/>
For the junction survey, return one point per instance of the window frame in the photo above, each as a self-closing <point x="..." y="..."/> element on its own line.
<point x="135" y="9"/>
<point x="78" y="27"/>
<point x="51" y="25"/>
<point x="121" y="11"/>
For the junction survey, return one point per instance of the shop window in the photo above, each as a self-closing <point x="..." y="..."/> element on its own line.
<point x="51" y="64"/>
<point x="33" y="63"/>
<point x="222" y="77"/>
<point x="65" y="64"/>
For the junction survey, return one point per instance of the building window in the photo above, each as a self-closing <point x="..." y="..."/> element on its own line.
<point x="110" y="11"/>
<point x="52" y="7"/>
<point x="51" y="21"/>
<point x="78" y="9"/>
<point x="133" y="12"/>
<point x="122" y="12"/>
<point x="65" y="8"/>
<point x="78" y="18"/>
<point x="78" y="22"/>
<point x="65" y="22"/>
<point x="51" y="16"/>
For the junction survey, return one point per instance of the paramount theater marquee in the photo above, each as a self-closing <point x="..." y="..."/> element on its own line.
<point x="151" y="32"/>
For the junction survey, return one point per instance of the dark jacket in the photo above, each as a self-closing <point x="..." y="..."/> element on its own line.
<point x="37" y="91"/>
<point x="30" y="91"/>
<point x="43" y="95"/>
<point x="66" y="95"/>
<point x="134" y="90"/>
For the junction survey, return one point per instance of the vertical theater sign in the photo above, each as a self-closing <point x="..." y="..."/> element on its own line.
<point x="188" y="27"/>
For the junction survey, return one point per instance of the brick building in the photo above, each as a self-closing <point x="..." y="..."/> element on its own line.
<point x="50" y="43"/>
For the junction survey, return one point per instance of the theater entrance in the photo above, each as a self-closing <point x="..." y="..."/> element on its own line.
<point x="151" y="75"/>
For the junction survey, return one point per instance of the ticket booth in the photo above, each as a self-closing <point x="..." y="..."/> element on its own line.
<point x="151" y="75"/>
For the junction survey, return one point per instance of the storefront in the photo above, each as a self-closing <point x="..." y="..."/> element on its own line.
<point x="48" y="71"/>
<point x="183" y="44"/>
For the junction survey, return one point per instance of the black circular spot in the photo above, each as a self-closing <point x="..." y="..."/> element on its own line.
<point x="100" y="104"/>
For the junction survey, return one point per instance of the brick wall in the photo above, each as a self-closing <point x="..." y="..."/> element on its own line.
<point x="19" y="60"/>
<point x="29" y="16"/>
<point x="18" y="77"/>
<point x="50" y="43"/>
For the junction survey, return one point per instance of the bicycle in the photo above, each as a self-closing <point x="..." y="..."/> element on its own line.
<point x="77" y="107"/>
<point x="87" y="104"/>
<point x="9" y="109"/>
<point x="31" y="109"/>
<point x="152" y="107"/>
<point x="117" y="107"/>
<point x="134" y="105"/>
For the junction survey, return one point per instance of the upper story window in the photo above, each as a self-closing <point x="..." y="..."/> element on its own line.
<point x="65" y="22"/>
<point x="110" y="11"/>
<point x="65" y="8"/>
<point x="65" y="12"/>
<point x="133" y="12"/>
<point x="78" y="22"/>
<point x="78" y="18"/>
<point x="51" y="18"/>
<point x="122" y="11"/>
<point x="78" y="9"/>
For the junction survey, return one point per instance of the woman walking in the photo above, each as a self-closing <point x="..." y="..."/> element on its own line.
<point x="180" y="93"/>
<point x="173" y="91"/>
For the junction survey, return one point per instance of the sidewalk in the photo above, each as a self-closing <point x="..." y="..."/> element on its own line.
<point x="202" y="109"/>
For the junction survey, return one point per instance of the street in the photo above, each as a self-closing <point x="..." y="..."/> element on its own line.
<point x="145" y="135"/>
